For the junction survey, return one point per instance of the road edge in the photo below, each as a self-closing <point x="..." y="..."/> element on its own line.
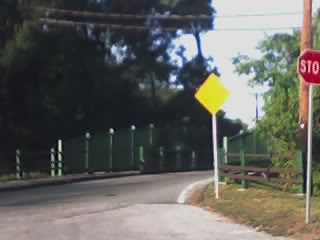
<point x="187" y="191"/>
<point x="29" y="184"/>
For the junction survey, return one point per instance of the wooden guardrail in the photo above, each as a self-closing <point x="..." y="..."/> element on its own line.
<point x="266" y="177"/>
<point x="261" y="174"/>
<point x="262" y="156"/>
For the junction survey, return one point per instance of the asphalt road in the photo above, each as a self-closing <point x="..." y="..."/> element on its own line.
<point x="139" y="207"/>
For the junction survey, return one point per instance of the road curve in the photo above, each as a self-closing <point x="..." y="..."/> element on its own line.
<point x="140" y="207"/>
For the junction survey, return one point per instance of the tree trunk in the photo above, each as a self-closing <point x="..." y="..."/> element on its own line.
<point x="199" y="45"/>
<point x="153" y="91"/>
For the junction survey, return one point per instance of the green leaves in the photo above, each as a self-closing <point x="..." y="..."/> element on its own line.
<point x="60" y="83"/>
<point x="277" y="69"/>
<point x="278" y="61"/>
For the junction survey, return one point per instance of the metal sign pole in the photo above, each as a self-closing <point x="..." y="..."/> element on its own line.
<point x="215" y="154"/>
<point x="309" y="159"/>
<point x="212" y="94"/>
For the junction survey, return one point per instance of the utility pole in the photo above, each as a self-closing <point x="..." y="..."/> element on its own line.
<point x="257" y="105"/>
<point x="306" y="43"/>
<point x="256" y="95"/>
<point x="305" y="108"/>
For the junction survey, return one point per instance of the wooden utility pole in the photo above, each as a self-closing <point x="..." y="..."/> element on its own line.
<point x="306" y="43"/>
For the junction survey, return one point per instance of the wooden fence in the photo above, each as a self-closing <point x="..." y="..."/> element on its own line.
<point x="258" y="167"/>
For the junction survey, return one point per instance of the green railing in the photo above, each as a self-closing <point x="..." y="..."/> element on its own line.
<point x="244" y="157"/>
<point x="176" y="159"/>
<point x="120" y="150"/>
<point x="163" y="149"/>
<point x="249" y="142"/>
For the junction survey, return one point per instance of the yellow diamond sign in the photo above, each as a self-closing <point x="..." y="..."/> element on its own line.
<point x="212" y="94"/>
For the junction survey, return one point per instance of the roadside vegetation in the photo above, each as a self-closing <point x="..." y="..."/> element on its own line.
<point x="273" y="211"/>
<point x="59" y="83"/>
<point x="277" y="70"/>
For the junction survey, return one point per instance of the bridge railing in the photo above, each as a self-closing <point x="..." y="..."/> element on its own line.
<point x="167" y="149"/>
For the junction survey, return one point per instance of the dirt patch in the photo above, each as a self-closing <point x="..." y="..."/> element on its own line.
<point x="197" y="196"/>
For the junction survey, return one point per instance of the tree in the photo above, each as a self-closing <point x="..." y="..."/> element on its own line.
<point x="151" y="65"/>
<point x="277" y="69"/>
<point x="60" y="83"/>
<point x="10" y="20"/>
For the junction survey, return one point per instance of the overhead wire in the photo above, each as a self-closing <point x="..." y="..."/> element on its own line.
<point x="258" y="29"/>
<point x="70" y="23"/>
<point x="158" y="16"/>
<point x="258" y="15"/>
<point x="125" y="16"/>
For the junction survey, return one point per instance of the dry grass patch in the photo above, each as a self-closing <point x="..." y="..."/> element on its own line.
<point x="273" y="211"/>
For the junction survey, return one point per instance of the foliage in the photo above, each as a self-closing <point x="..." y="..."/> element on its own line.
<point x="184" y="110"/>
<point x="277" y="69"/>
<point x="60" y="83"/>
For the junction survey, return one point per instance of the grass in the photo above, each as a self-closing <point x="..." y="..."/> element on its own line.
<point x="273" y="211"/>
<point x="7" y="177"/>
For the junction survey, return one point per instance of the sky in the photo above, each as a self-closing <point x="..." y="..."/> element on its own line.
<point x="223" y="44"/>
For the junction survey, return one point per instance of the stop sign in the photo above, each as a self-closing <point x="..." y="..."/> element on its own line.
<point x="309" y="66"/>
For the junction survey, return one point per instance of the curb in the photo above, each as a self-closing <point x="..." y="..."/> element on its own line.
<point x="185" y="194"/>
<point x="29" y="184"/>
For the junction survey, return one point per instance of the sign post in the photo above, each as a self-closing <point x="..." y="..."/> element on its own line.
<point x="212" y="95"/>
<point x="309" y="70"/>
<point x="309" y="158"/>
<point x="215" y="154"/>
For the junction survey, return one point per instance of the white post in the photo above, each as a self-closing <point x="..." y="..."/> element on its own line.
<point x="215" y="154"/>
<point x="111" y="133"/>
<point x="52" y="162"/>
<point x="151" y="127"/>
<point x="193" y="160"/>
<point x="18" y="164"/>
<point x="225" y="148"/>
<point x="309" y="159"/>
<point x="133" y="128"/>
<point x="87" y="152"/>
<point x="60" y="158"/>
<point x="161" y="154"/>
<point x="178" y="158"/>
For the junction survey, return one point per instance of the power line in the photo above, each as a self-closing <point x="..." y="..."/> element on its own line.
<point x="257" y="29"/>
<point x="156" y="16"/>
<point x="68" y="23"/>
<point x="125" y="16"/>
<point x="258" y="15"/>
